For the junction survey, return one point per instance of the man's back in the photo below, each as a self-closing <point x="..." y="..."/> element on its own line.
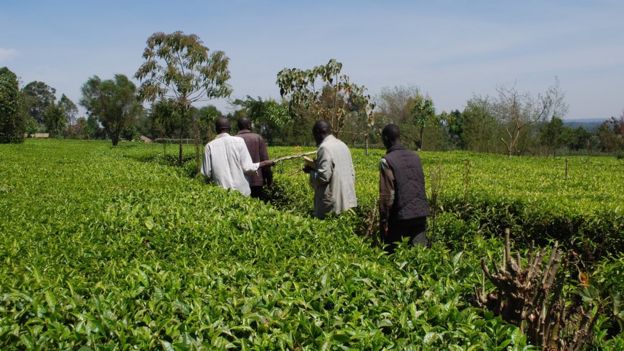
<point x="258" y="151"/>
<point x="410" y="200"/>
<point x="226" y="160"/>
<point x="334" y="181"/>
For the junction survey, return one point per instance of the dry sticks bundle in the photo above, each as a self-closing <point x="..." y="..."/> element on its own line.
<point x="531" y="297"/>
<point x="285" y="158"/>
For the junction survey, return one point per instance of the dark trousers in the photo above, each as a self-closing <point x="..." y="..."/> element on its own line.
<point x="257" y="192"/>
<point x="413" y="228"/>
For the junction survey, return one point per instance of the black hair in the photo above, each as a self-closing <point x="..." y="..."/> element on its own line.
<point x="222" y="124"/>
<point x="244" y="123"/>
<point x="321" y="127"/>
<point x="391" y="132"/>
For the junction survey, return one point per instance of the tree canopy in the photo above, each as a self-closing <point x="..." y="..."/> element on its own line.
<point x="38" y="96"/>
<point x="178" y="67"/>
<point x="113" y="102"/>
<point x="11" y="122"/>
<point x="323" y="92"/>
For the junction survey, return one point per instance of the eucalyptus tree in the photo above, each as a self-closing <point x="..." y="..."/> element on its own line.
<point x="323" y="92"/>
<point x="180" y="68"/>
<point x="70" y="109"/>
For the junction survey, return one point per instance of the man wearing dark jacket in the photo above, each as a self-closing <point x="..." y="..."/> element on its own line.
<point x="258" y="150"/>
<point x="403" y="205"/>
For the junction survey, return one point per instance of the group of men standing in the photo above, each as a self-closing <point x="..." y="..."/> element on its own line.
<point x="242" y="163"/>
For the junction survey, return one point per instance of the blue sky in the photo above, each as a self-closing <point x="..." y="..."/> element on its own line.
<point x="451" y="50"/>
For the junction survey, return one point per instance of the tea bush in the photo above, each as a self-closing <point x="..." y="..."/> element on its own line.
<point x="99" y="250"/>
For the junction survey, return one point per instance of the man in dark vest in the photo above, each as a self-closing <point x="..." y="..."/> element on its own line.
<point x="258" y="150"/>
<point x="403" y="205"/>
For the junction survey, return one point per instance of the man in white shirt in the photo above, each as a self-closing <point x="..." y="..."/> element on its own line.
<point x="227" y="160"/>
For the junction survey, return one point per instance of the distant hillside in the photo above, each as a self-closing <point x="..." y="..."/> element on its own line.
<point x="590" y="124"/>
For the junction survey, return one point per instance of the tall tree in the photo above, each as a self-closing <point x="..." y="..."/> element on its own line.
<point x="113" y="102"/>
<point x="415" y="114"/>
<point x="611" y="134"/>
<point x="38" y="96"/>
<point x="481" y="130"/>
<point x="11" y="121"/>
<point x="164" y="119"/>
<point x="323" y="92"/>
<point x="55" y="119"/>
<point x="519" y="112"/>
<point x="179" y="67"/>
<point x="422" y="113"/>
<point x="70" y="110"/>
<point x="395" y="103"/>
<point x="552" y="133"/>
<point x="454" y="122"/>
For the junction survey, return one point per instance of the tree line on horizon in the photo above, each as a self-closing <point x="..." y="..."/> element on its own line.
<point x="179" y="74"/>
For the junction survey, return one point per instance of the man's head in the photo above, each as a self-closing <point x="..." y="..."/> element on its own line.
<point x="320" y="131"/>
<point x="244" y="123"/>
<point x="222" y="125"/>
<point x="390" y="135"/>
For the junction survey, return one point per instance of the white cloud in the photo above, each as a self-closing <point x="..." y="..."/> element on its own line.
<point x="7" y="54"/>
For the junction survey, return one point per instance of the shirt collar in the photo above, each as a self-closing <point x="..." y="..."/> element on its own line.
<point x="327" y="138"/>
<point x="222" y="135"/>
<point x="395" y="147"/>
<point x="244" y="131"/>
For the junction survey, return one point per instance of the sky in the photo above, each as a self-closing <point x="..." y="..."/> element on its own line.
<point x="450" y="50"/>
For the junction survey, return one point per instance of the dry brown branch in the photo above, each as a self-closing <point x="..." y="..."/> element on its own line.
<point x="532" y="298"/>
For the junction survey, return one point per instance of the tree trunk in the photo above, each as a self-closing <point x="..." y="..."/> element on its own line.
<point x="422" y="129"/>
<point x="115" y="133"/>
<point x="197" y="141"/>
<point x="180" y="149"/>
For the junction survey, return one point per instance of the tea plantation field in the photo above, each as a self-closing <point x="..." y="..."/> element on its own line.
<point x="115" y="249"/>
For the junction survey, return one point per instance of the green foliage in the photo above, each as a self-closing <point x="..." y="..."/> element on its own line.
<point x="414" y="113"/>
<point x="611" y="134"/>
<point x="206" y="117"/>
<point x="112" y="102"/>
<point x="11" y="121"/>
<point x="164" y="119"/>
<point x="148" y="258"/>
<point x="422" y="113"/>
<point x="268" y="116"/>
<point x="484" y="194"/>
<point x="481" y="130"/>
<point x="178" y="67"/>
<point x="552" y="134"/>
<point x="323" y="93"/>
<point x="577" y="139"/>
<point x="69" y="109"/>
<point x="38" y="96"/>
<point x="455" y="124"/>
<point x="55" y="120"/>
